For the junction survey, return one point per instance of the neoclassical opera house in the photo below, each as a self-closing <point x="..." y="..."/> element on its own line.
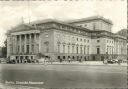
<point x="86" y="39"/>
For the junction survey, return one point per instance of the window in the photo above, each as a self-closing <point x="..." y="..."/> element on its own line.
<point x="58" y="57"/>
<point x="46" y="35"/>
<point x="84" y="49"/>
<point x="46" y="46"/>
<point x="84" y="40"/>
<point x="72" y="49"/>
<point x="81" y="49"/>
<point x="107" y="48"/>
<point x="22" y="48"/>
<point x="80" y="39"/>
<point x="32" y="48"/>
<point x="98" y="50"/>
<point x="37" y="36"/>
<point x="31" y="57"/>
<point x="47" y="49"/>
<point x="63" y="48"/>
<point x="94" y="26"/>
<point x="63" y="57"/>
<point x="77" y="39"/>
<point x="98" y="41"/>
<point x="58" y="48"/>
<point x="68" y="49"/>
<point x="80" y="25"/>
<point x="37" y="48"/>
<point x="18" y="49"/>
<point x="88" y="49"/>
<point x="27" y="48"/>
<point x="77" y="49"/>
<point x="85" y="25"/>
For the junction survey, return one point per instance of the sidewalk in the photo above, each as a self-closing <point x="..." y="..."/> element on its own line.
<point x="11" y="86"/>
<point x="89" y="63"/>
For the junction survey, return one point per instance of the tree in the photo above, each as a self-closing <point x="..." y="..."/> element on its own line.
<point x="40" y="55"/>
<point x="4" y="49"/>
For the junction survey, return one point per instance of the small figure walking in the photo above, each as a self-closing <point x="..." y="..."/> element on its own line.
<point x="69" y="60"/>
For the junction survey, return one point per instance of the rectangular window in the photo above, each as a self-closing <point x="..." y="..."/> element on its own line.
<point x="63" y="48"/>
<point x="72" y="49"/>
<point x="98" y="50"/>
<point x="47" y="48"/>
<point x="88" y="49"/>
<point x="107" y="49"/>
<point x="68" y="49"/>
<point x="18" y="49"/>
<point x="98" y="41"/>
<point x="32" y="48"/>
<point x="84" y="40"/>
<point x="27" y="48"/>
<point x="94" y="26"/>
<point x="77" y="49"/>
<point x="23" y="48"/>
<point x="81" y="50"/>
<point x="37" y="48"/>
<point x="58" y="48"/>
<point x="31" y="57"/>
<point x="77" y="39"/>
<point x="84" y="49"/>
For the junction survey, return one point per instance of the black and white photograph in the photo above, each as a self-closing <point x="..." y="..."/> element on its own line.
<point x="63" y="44"/>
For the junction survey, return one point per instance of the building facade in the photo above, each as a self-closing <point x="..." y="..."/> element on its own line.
<point x="124" y="32"/>
<point x="87" y="39"/>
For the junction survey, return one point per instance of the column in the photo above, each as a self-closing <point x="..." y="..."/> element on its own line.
<point x="20" y="44"/>
<point x="30" y="43"/>
<point x="34" y="43"/>
<point x="25" y="40"/>
<point x="15" y="44"/>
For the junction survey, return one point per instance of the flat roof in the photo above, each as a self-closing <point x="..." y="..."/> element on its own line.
<point x="90" y="19"/>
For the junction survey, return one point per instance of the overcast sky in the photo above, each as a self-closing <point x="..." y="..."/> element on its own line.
<point x="11" y="12"/>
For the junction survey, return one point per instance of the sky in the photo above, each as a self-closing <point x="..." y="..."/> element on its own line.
<point x="13" y="13"/>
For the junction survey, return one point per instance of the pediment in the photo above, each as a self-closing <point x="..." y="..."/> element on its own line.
<point x="22" y="27"/>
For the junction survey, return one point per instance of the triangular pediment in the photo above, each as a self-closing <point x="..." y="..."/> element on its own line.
<point x="22" y="27"/>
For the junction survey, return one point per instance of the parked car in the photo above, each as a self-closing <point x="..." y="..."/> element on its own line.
<point x="111" y="61"/>
<point x="11" y="62"/>
<point x="2" y="60"/>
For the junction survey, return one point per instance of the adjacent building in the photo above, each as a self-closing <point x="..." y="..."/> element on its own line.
<point x="124" y="32"/>
<point x="84" y="39"/>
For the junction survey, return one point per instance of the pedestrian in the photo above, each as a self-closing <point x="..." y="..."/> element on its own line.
<point x="119" y="62"/>
<point x="50" y="60"/>
<point x="69" y="59"/>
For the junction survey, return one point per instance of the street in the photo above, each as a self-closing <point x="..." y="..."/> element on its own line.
<point x="64" y="76"/>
